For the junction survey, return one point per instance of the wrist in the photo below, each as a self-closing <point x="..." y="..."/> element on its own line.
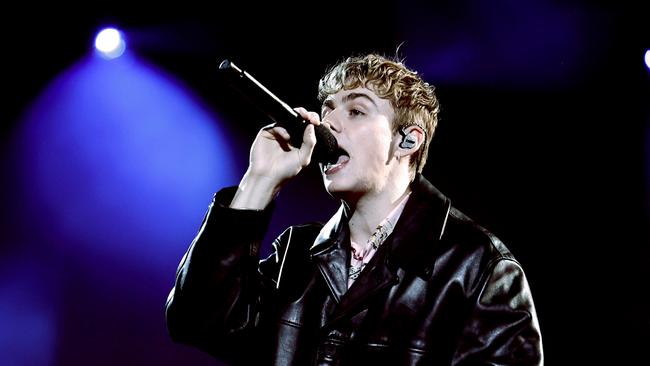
<point x="255" y="192"/>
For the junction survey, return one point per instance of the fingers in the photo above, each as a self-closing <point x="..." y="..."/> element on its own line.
<point x="278" y="134"/>
<point x="309" y="136"/>
<point x="307" y="147"/>
<point x="311" y="117"/>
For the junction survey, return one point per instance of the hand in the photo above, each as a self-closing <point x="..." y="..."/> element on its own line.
<point x="273" y="161"/>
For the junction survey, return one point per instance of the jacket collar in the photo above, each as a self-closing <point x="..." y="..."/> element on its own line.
<point x="421" y="226"/>
<point x="411" y="246"/>
<point x="330" y="254"/>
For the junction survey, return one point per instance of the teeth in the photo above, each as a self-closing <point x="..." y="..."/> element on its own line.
<point x="331" y="165"/>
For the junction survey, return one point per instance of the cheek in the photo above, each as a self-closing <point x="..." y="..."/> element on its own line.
<point x="373" y="145"/>
<point x="376" y="155"/>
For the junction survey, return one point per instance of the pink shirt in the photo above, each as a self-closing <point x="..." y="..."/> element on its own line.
<point x="361" y="254"/>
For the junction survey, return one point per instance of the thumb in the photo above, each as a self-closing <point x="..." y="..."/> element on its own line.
<point x="307" y="147"/>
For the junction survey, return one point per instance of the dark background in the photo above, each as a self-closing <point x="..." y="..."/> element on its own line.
<point x="543" y="139"/>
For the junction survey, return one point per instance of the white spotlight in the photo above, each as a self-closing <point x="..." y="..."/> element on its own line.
<point x="110" y="43"/>
<point x="647" y="58"/>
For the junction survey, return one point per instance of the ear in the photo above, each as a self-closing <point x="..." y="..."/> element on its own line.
<point x="410" y="140"/>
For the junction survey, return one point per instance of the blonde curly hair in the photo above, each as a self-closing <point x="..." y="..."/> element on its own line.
<point x="413" y="99"/>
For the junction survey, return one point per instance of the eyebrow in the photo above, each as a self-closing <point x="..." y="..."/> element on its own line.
<point x="329" y="102"/>
<point x="352" y="96"/>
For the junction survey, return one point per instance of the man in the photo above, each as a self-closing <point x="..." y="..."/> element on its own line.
<point x="398" y="276"/>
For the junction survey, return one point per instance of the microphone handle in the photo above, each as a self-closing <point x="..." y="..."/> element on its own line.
<point x="279" y="112"/>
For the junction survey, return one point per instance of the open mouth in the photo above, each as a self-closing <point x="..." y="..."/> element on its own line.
<point x="337" y="162"/>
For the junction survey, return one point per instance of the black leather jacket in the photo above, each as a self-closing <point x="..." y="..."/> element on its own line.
<point x="440" y="291"/>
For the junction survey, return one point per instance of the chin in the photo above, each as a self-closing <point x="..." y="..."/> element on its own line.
<point x="344" y="189"/>
<point x="336" y="187"/>
<point x="333" y="188"/>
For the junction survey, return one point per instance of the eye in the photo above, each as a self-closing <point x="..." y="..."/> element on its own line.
<point x="356" y="112"/>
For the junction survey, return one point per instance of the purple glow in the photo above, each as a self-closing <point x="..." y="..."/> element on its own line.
<point x="111" y="171"/>
<point x="504" y="42"/>
<point x="119" y="164"/>
<point x="28" y="310"/>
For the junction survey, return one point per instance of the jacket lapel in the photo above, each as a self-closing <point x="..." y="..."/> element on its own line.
<point x="330" y="255"/>
<point x="374" y="278"/>
<point x="417" y="232"/>
<point x="411" y="246"/>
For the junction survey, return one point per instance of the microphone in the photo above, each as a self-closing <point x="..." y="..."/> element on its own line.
<point x="326" y="148"/>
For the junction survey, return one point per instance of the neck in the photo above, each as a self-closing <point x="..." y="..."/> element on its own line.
<point x="369" y="210"/>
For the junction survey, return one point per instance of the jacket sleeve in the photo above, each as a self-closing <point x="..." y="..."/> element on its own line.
<point x="502" y="328"/>
<point x="213" y="305"/>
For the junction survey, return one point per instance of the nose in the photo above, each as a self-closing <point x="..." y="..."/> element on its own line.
<point x="332" y="121"/>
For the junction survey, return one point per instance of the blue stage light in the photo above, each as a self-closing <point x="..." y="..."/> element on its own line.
<point x="110" y="43"/>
